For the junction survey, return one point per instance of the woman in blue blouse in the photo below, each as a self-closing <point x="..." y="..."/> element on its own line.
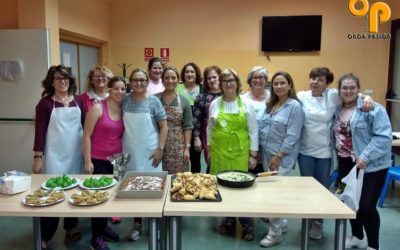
<point x="280" y="134"/>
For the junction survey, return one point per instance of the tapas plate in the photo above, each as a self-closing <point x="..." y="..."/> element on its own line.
<point x="75" y="184"/>
<point x="89" y="198"/>
<point x="43" y="198"/>
<point x="113" y="182"/>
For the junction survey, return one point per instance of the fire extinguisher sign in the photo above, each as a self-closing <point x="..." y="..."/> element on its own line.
<point x="164" y="54"/>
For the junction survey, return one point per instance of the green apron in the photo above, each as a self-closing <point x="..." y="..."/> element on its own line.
<point x="230" y="141"/>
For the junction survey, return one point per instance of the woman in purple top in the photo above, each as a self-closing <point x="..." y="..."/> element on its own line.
<point x="102" y="137"/>
<point x="58" y="138"/>
<point x="201" y="106"/>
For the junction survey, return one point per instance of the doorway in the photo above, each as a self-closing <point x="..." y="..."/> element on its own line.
<point x="393" y="94"/>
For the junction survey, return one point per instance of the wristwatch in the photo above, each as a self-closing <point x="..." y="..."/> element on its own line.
<point x="161" y="148"/>
<point x="188" y="145"/>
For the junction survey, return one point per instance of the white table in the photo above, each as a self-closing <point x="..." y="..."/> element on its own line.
<point x="151" y="208"/>
<point x="276" y="197"/>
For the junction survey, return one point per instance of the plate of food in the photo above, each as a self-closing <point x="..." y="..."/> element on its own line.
<point x="96" y="183"/>
<point x="194" y="187"/>
<point x="89" y="197"/>
<point x="61" y="182"/>
<point x="42" y="198"/>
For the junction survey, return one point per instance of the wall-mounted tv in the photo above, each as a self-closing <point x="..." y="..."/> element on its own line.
<point x="291" y="33"/>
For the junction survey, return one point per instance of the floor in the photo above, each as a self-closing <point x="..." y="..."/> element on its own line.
<point x="200" y="232"/>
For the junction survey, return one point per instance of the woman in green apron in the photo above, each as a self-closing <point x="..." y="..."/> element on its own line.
<point x="232" y="139"/>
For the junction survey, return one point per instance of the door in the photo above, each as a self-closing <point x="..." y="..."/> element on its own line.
<point x="393" y="94"/>
<point x="80" y="58"/>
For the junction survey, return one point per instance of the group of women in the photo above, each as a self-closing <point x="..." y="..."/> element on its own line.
<point x="164" y="124"/>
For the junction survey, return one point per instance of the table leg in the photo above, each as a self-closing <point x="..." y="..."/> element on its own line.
<point x="37" y="235"/>
<point x="304" y="234"/>
<point x="340" y="234"/>
<point x="175" y="233"/>
<point x="162" y="233"/>
<point x="153" y="241"/>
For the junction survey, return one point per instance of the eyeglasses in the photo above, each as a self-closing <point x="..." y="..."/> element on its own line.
<point x="100" y="77"/>
<point x="257" y="78"/>
<point x="351" y="88"/>
<point x="138" y="80"/>
<point x="59" y="79"/>
<point x="230" y="81"/>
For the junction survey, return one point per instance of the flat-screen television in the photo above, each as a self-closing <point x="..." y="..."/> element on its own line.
<point x="291" y="33"/>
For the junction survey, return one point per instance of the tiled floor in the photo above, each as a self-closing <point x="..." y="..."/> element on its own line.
<point x="200" y="232"/>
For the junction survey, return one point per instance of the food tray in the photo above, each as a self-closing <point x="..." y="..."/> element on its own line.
<point x="141" y="194"/>
<point x="217" y="196"/>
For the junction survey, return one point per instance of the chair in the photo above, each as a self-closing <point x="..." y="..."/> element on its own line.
<point x="333" y="178"/>
<point x="393" y="174"/>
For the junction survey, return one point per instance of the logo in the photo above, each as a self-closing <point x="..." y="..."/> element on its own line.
<point x="378" y="13"/>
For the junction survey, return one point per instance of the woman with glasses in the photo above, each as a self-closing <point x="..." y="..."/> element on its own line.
<point x="190" y="88"/>
<point x="179" y="118"/>
<point x="155" y="68"/>
<point x="258" y="97"/>
<point x="201" y="107"/>
<point x="232" y="140"/>
<point x="96" y="87"/>
<point x="58" y="139"/>
<point x="145" y="132"/>
<point x="364" y="140"/>
<point x="280" y="134"/>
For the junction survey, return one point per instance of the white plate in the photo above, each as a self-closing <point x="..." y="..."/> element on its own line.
<point x="87" y="204"/>
<point x="114" y="181"/>
<point x="42" y="205"/>
<point x="69" y="187"/>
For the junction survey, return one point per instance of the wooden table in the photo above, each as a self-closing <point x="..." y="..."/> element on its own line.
<point x="276" y="197"/>
<point x="151" y="208"/>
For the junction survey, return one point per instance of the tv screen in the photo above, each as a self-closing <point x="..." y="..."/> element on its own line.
<point x="291" y="33"/>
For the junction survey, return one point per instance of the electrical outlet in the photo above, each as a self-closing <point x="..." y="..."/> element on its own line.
<point x="369" y="91"/>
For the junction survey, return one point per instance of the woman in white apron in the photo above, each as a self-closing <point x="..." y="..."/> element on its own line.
<point x="58" y="139"/>
<point x="145" y="133"/>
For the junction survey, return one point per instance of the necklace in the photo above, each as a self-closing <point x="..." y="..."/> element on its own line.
<point x="64" y="100"/>
<point x="349" y="105"/>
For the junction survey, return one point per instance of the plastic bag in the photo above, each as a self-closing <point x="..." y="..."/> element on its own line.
<point x="352" y="192"/>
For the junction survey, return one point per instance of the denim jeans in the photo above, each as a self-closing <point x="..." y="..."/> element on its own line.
<point x="318" y="168"/>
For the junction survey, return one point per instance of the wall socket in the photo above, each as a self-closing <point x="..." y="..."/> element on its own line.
<point x="369" y="91"/>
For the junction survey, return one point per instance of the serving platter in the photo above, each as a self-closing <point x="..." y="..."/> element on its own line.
<point x="91" y="194"/>
<point x="43" y="198"/>
<point x="114" y="181"/>
<point x="62" y="188"/>
<point x="177" y="196"/>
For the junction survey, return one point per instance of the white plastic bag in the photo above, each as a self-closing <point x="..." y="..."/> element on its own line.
<point x="352" y="192"/>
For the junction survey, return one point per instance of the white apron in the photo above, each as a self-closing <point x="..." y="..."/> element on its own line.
<point x="63" y="147"/>
<point x="140" y="140"/>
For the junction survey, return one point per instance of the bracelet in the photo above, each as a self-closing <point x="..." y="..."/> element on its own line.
<point x="161" y="148"/>
<point x="37" y="156"/>
<point x="188" y="145"/>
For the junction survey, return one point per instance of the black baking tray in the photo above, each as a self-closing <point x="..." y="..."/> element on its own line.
<point x="217" y="196"/>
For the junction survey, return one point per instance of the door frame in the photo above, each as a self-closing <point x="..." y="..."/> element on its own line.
<point x="395" y="25"/>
